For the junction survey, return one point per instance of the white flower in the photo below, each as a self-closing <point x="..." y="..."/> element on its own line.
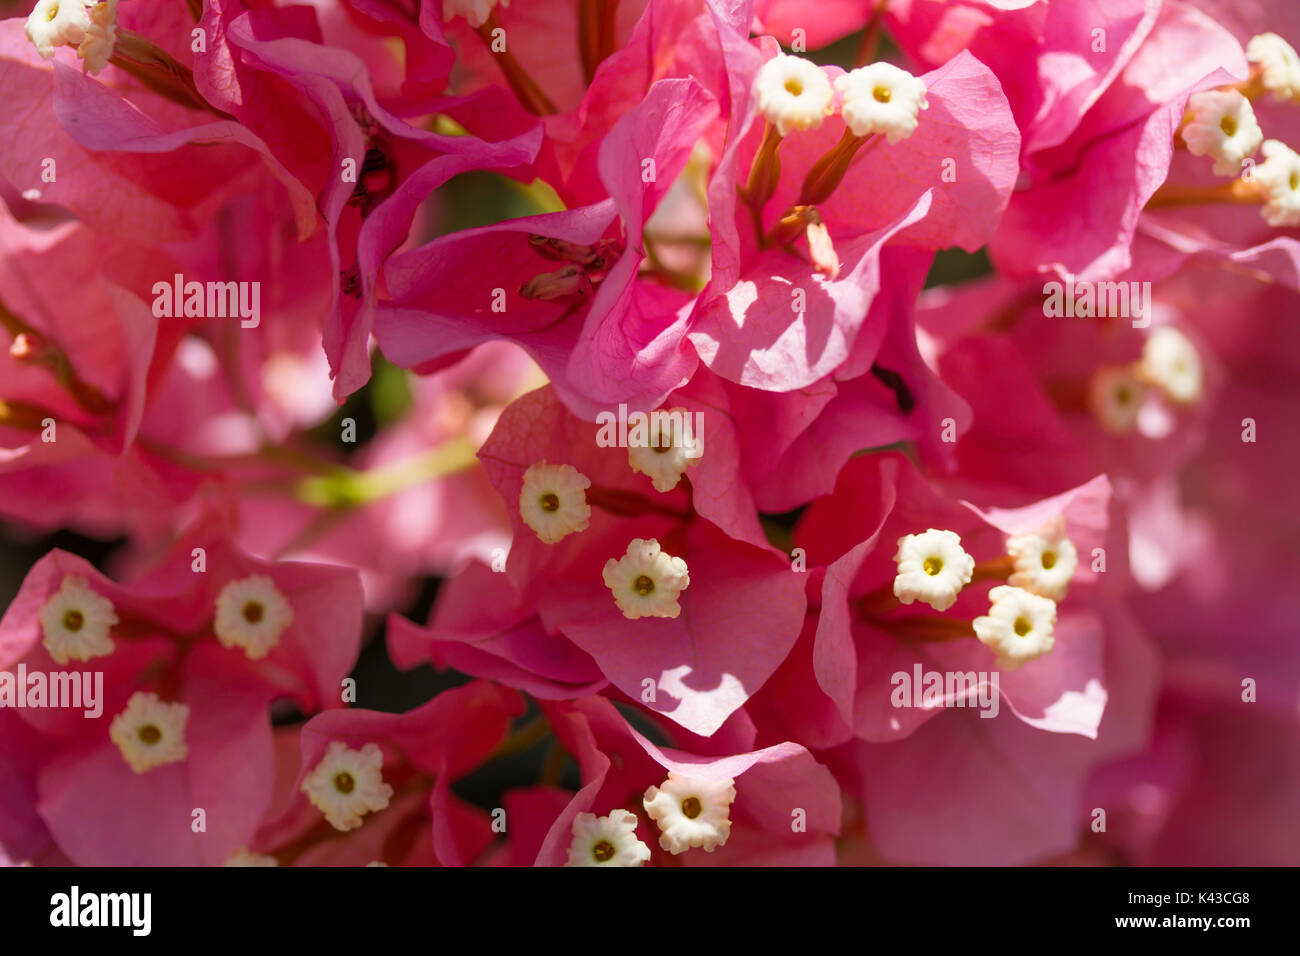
<point x="1171" y="362"/>
<point x="1223" y="127"/>
<point x="1045" y="561"/>
<point x="76" y="622"/>
<point x="645" y="581"/>
<point x="347" y="784"/>
<point x="1277" y="63"/>
<point x="1116" y="395"/>
<point x="101" y="36"/>
<point x="606" y="841"/>
<point x="691" y="812"/>
<point x="553" y="501"/>
<point x="1018" y="626"/>
<point x="1279" y="177"/>
<point x="792" y="93"/>
<point x="149" y="732"/>
<point x="821" y="249"/>
<point x="932" y="568"/>
<point x="243" y="857"/>
<point x="671" y="447"/>
<point x="881" y="98"/>
<point x="475" y="12"/>
<point x="252" y="614"/>
<point x="56" y="22"/>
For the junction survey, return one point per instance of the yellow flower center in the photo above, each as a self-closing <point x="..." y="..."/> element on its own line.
<point x="644" y="585"/>
<point x="252" y="612"/>
<point x="550" y="502"/>
<point x="73" y="620"/>
<point x="1022" y="626"/>
<point x="54" y="12"/>
<point x="663" y="442"/>
<point x="344" y="783"/>
<point x="603" y="851"/>
<point x="691" y="807"/>
<point x="883" y="94"/>
<point x="932" y="566"/>
<point x="793" y="86"/>
<point x="149" y="734"/>
<point x="1228" y="125"/>
<point x="1049" y="560"/>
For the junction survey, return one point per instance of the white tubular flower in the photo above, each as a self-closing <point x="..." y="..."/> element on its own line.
<point x="821" y="249"/>
<point x="1045" y="561"/>
<point x="932" y="568"/>
<point x="243" y="857"/>
<point x="474" y="12"/>
<point x="76" y="622"/>
<point x="347" y="784"/>
<point x="691" y="812"/>
<point x="1277" y="64"/>
<point x="1171" y="362"/>
<point x="1116" y="396"/>
<point x="1223" y="127"/>
<point x="606" y="841"/>
<point x="671" y="448"/>
<point x="881" y="98"/>
<point x="101" y="37"/>
<point x="553" y="501"/>
<point x="55" y="23"/>
<point x="1018" y="627"/>
<point x="793" y="93"/>
<point x="252" y="614"/>
<point x="149" y="732"/>
<point x="1279" y="177"/>
<point x="645" y="581"/>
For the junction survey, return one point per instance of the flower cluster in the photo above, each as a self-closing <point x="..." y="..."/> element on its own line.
<point x="758" y="457"/>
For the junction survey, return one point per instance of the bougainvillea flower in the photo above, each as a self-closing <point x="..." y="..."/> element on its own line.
<point x="565" y="285"/>
<point x="1219" y="530"/>
<point x="785" y="809"/>
<point x="770" y="317"/>
<point x="268" y="73"/>
<point x="1077" y="54"/>
<point x="1004" y="773"/>
<point x="775" y="432"/>
<point x="408" y="762"/>
<point x="687" y="660"/>
<point x="864" y="638"/>
<point x="1198" y="214"/>
<point x="1095" y="75"/>
<point x="1113" y="161"/>
<point x="182" y="716"/>
<point x="1083" y="382"/>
